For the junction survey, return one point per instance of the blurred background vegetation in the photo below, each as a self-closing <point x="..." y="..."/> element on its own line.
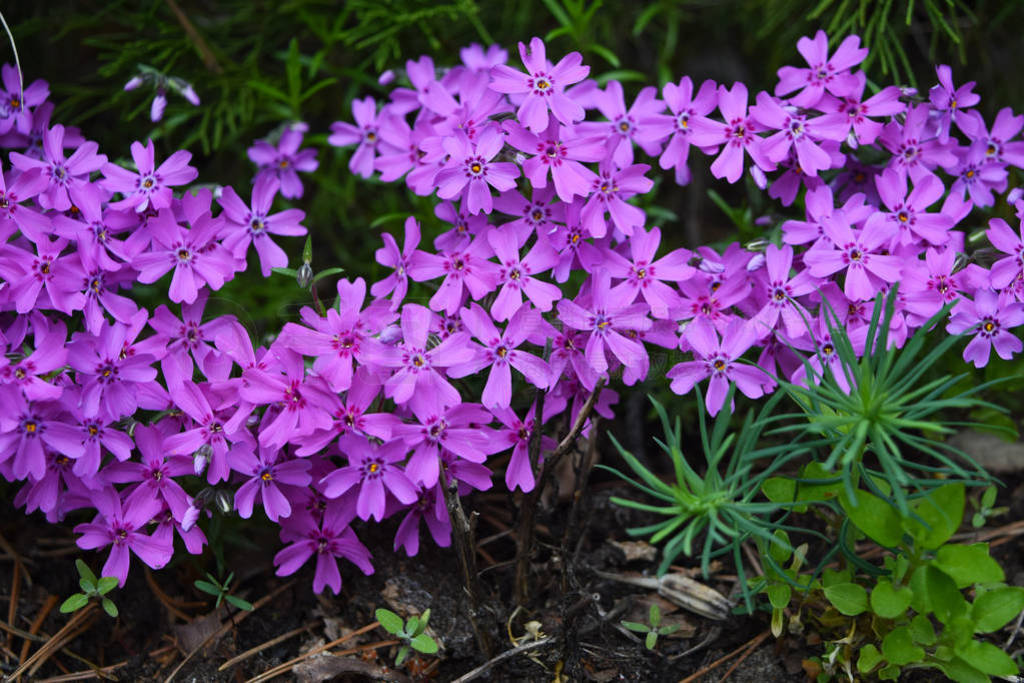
<point x="257" y="65"/>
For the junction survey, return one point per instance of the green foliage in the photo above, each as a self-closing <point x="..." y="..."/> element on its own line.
<point x="720" y="504"/>
<point x="411" y="633"/>
<point x="91" y="588"/>
<point x="221" y="591"/>
<point x="653" y="629"/>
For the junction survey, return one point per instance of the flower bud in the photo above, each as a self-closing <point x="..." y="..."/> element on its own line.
<point x="156" y="110"/>
<point x="305" y="276"/>
<point x="190" y="518"/>
<point x="201" y="458"/>
<point x="189" y="94"/>
<point x="134" y="83"/>
<point x="223" y="500"/>
<point x="386" y="77"/>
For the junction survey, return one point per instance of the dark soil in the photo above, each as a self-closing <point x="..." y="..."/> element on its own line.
<point x="572" y="604"/>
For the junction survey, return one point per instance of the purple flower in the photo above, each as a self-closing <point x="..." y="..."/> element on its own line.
<point x="500" y="351"/>
<point x="608" y="193"/>
<point x="859" y="255"/>
<point x="267" y="474"/>
<point x="990" y="317"/>
<point x="686" y="111"/>
<point x="886" y="102"/>
<point x="121" y="527"/>
<point x="69" y="178"/>
<point x="254" y="226"/>
<point x="543" y="86"/>
<point x="189" y="338"/>
<point x="194" y="255"/>
<point x="392" y="257"/>
<point x="471" y="170"/>
<point x="374" y="470"/>
<point x="328" y="539"/>
<point x="458" y="429"/>
<point x="150" y="186"/>
<point x="646" y="277"/>
<point x="951" y="102"/>
<point x="782" y="291"/>
<point x="1006" y="270"/>
<point x="553" y="150"/>
<point x="538" y="215"/>
<point x="718" y="359"/>
<point x="626" y="127"/>
<point x="45" y="279"/>
<point x="16" y="102"/>
<point x="13" y="215"/>
<point x="607" y="314"/>
<point x="977" y="175"/>
<point x="155" y="473"/>
<point x="735" y="136"/>
<point x="285" y="161"/>
<point x="912" y="151"/>
<point x="798" y="132"/>
<point x="418" y="378"/>
<point x="365" y="133"/>
<point x="517" y="434"/>
<point x="429" y="507"/>
<point x="109" y="376"/>
<point x="345" y="336"/>
<point x="907" y="213"/>
<point x="516" y="275"/>
<point x="998" y="142"/>
<point x="824" y="73"/>
<point x="465" y="268"/>
<point x="24" y="429"/>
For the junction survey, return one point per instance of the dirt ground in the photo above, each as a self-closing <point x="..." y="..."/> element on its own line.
<point x="168" y="630"/>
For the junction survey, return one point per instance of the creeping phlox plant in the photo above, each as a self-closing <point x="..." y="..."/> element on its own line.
<point x="548" y="274"/>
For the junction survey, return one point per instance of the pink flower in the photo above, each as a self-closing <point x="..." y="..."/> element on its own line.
<point x="151" y="185"/>
<point x="543" y="85"/>
<point x="471" y="170"/>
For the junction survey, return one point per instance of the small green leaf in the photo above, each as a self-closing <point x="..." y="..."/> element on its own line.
<point x="868" y="658"/>
<point x="239" y="603"/>
<point x="403" y="652"/>
<point x="651" y="640"/>
<point x="779" y="594"/>
<point x="943" y="596"/>
<point x="888" y="602"/>
<point x="968" y="564"/>
<point x="962" y="672"/>
<point x="424" y="643"/>
<point x="74" y="603"/>
<point x="327" y="273"/>
<point x="84" y="571"/>
<point x="307" y="250"/>
<point x="207" y="587"/>
<point x="106" y="584"/>
<point x="993" y="609"/>
<point x="109" y="607"/>
<point x="425" y="617"/>
<point x="88" y="587"/>
<point x="290" y="272"/>
<point x="849" y="598"/>
<point x="779" y="489"/>
<point x="654" y="616"/>
<point x="987" y="658"/>
<point x="875" y="517"/>
<point x="636" y="627"/>
<point x="898" y="647"/>
<point x="413" y="627"/>
<point x="391" y="622"/>
<point x="988" y="499"/>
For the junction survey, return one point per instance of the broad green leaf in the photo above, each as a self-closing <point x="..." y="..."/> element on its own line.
<point x="943" y="596"/>
<point x="962" y="672"/>
<point x="968" y="564"/>
<point x="849" y="598"/>
<point x="779" y="594"/>
<point x="106" y="584"/>
<point x="391" y="622"/>
<point x="109" y="607"/>
<point x="993" y="609"/>
<point x="75" y="602"/>
<point x="875" y="517"/>
<point x="424" y="643"/>
<point x="654" y="616"/>
<point x="888" y="602"/>
<point x="868" y="658"/>
<point x="779" y="489"/>
<point x="987" y="658"/>
<point x="921" y="630"/>
<point x="942" y="510"/>
<point x="898" y="647"/>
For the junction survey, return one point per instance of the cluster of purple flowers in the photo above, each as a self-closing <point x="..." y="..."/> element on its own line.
<point x="355" y="413"/>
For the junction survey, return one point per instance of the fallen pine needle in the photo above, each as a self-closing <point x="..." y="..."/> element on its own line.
<point x="749" y="645"/>
<point x="287" y="666"/>
<point x="270" y="643"/>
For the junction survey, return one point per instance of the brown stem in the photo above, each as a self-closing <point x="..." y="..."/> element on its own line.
<point x="464" y="540"/>
<point x="204" y="50"/>
<point x="528" y="512"/>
